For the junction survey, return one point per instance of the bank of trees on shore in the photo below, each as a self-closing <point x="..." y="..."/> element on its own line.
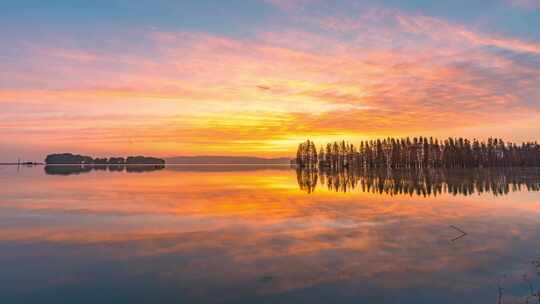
<point x="419" y="152"/>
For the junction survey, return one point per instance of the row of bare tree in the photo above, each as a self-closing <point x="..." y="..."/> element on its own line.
<point x="421" y="152"/>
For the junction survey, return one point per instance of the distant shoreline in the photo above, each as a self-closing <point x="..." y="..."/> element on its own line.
<point x="228" y="165"/>
<point x="226" y="160"/>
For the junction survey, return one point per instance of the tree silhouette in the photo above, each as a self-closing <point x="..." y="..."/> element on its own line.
<point x="419" y="152"/>
<point x="306" y="155"/>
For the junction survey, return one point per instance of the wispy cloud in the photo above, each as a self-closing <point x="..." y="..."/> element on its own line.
<point x="289" y="5"/>
<point x="526" y="4"/>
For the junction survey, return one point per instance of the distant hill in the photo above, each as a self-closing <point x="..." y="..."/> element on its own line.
<point x="226" y="160"/>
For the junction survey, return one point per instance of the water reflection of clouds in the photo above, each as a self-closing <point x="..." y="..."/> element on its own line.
<point x="248" y="234"/>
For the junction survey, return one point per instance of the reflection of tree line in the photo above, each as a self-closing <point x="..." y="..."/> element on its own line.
<point x="78" y="169"/>
<point x="422" y="182"/>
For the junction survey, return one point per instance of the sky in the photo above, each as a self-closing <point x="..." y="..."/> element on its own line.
<point x="256" y="77"/>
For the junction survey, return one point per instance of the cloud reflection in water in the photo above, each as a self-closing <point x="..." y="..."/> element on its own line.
<point x="190" y="235"/>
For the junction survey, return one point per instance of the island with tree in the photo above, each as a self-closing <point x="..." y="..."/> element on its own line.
<point x="76" y="159"/>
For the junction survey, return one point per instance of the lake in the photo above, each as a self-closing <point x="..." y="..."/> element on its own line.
<point x="267" y="234"/>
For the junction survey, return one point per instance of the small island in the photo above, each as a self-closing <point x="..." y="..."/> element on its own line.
<point x="76" y="159"/>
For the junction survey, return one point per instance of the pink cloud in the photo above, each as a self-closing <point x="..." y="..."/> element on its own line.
<point x="441" y="30"/>
<point x="391" y="23"/>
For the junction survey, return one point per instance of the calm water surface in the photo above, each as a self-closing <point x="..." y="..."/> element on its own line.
<point x="247" y="234"/>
